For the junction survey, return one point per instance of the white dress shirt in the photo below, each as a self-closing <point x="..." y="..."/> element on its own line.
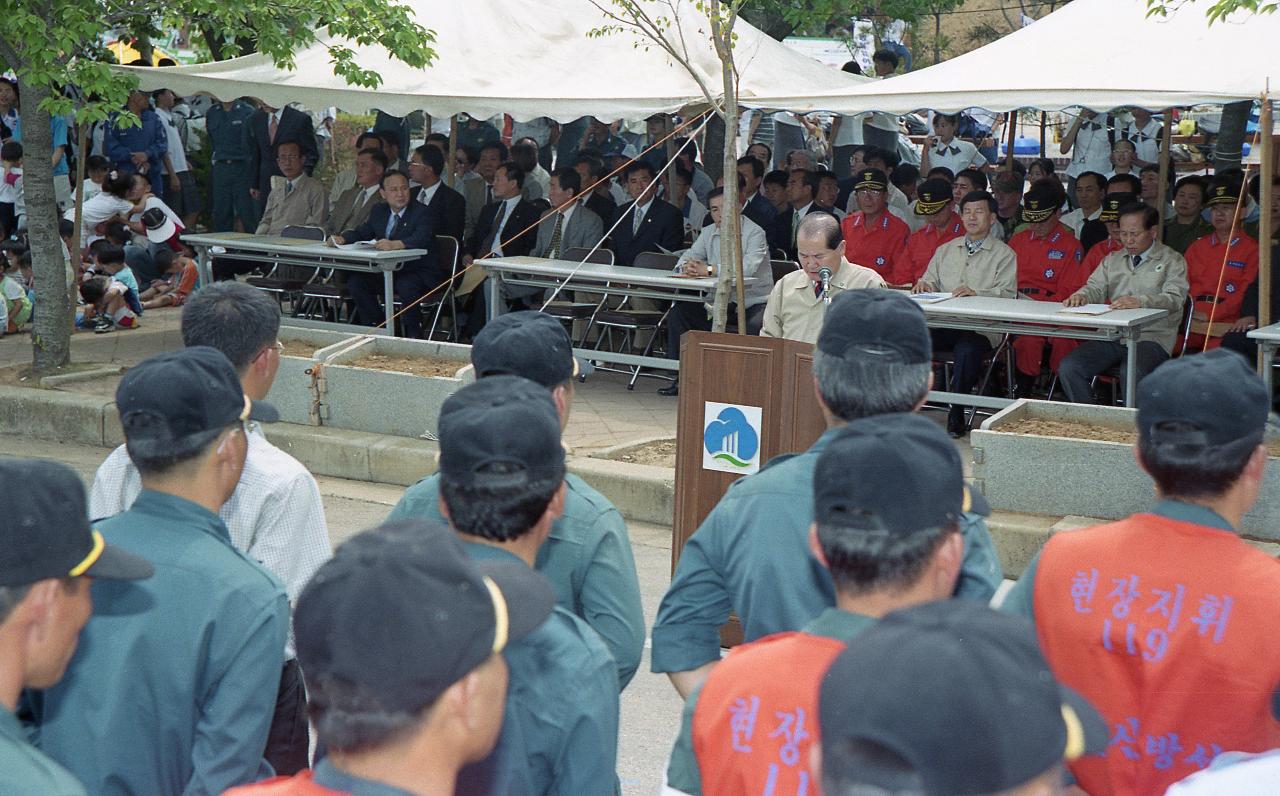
<point x="275" y="515"/>
<point x="957" y="155"/>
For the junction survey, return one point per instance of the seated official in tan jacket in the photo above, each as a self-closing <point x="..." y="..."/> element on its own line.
<point x="795" y="309"/>
<point x="975" y="265"/>
<point x="296" y="200"/>
<point x="1146" y="274"/>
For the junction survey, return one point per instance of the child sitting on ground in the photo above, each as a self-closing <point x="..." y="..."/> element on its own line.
<point x="180" y="279"/>
<point x="17" y="303"/>
<point x="105" y="305"/>
<point x="108" y="259"/>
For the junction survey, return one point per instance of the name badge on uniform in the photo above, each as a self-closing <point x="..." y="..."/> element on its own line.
<point x="1057" y="254"/>
<point x="1235" y="263"/>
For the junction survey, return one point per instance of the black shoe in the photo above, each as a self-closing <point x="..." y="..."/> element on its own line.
<point x="671" y="391"/>
<point x="956" y="425"/>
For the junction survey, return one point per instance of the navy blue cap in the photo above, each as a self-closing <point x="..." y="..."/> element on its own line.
<point x="871" y="179"/>
<point x="884" y="325"/>
<point x="529" y="344"/>
<point x="1208" y="399"/>
<point x="898" y="473"/>
<point x="45" y="531"/>
<point x="402" y="613"/>
<point x="181" y="400"/>
<point x="502" y="431"/>
<point x="962" y="693"/>
<point x="932" y="197"/>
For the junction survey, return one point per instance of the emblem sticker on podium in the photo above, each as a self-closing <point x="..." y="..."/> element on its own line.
<point x="731" y="438"/>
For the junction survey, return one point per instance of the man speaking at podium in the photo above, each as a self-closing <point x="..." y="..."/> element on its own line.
<point x="798" y="304"/>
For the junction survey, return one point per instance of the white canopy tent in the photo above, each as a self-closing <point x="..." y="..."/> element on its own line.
<point x="526" y="58"/>
<point x="1099" y="54"/>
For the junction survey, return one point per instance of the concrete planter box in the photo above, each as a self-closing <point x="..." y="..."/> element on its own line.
<point x="387" y="401"/>
<point x="291" y="392"/>
<point x="1061" y="476"/>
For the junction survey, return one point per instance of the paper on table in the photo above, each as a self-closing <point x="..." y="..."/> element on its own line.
<point x="360" y="244"/>
<point x="1087" y="309"/>
<point x="930" y="298"/>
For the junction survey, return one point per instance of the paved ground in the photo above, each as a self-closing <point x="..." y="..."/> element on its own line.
<point x="650" y="707"/>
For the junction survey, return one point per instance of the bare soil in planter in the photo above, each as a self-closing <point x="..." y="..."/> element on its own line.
<point x="418" y="366"/>
<point x="1074" y="430"/>
<point x="298" y="348"/>
<point x="660" y="453"/>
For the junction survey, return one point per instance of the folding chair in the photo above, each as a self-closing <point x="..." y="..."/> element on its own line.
<point x="278" y="287"/>
<point x="568" y="311"/>
<point x="448" y="252"/>
<point x="631" y="322"/>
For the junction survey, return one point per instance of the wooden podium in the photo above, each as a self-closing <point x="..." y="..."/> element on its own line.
<point x="766" y="372"/>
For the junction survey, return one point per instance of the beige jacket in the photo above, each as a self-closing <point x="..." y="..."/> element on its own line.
<point x="795" y="312"/>
<point x="307" y="205"/>
<point x="991" y="271"/>
<point x="1160" y="282"/>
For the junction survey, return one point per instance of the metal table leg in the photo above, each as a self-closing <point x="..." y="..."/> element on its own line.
<point x="493" y="292"/>
<point x="1268" y="370"/>
<point x="389" y="291"/>
<point x="1131" y="370"/>
<point x="204" y="265"/>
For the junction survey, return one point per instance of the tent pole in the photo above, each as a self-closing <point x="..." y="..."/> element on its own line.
<point x="1013" y="134"/>
<point x="1265" y="127"/>
<point x="452" y="181"/>
<point x="1165" y="167"/>
<point x="1043" y="120"/>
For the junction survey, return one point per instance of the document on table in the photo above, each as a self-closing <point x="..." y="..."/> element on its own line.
<point x="360" y="244"/>
<point x="1087" y="309"/>
<point x="930" y="298"/>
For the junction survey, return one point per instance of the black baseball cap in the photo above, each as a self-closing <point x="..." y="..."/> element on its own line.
<point x="898" y="473"/>
<point x="871" y="179"/>
<point x="1040" y="202"/>
<point x="962" y="693"/>
<point x="883" y="324"/>
<point x="402" y="612"/>
<point x="1225" y="190"/>
<point x="45" y="531"/>
<point x="1214" y="398"/>
<point x="530" y="344"/>
<point x="932" y="196"/>
<point x="502" y="431"/>
<point x="181" y="400"/>
<point x="1113" y="203"/>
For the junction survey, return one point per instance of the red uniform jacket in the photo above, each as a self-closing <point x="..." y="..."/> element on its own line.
<point x="1047" y="267"/>
<point x="1205" y="271"/>
<point x="879" y="246"/>
<point x="920" y="248"/>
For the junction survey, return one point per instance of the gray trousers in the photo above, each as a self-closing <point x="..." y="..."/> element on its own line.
<point x="1098" y="356"/>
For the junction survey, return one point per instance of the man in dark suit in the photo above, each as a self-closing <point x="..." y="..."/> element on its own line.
<point x="398" y="224"/>
<point x="757" y="207"/>
<point x="802" y="189"/>
<point x="595" y="191"/>
<point x="505" y="228"/>
<point x="447" y="206"/>
<point x="567" y="225"/>
<point x="268" y="128"/>
<point x="645" y="224"/>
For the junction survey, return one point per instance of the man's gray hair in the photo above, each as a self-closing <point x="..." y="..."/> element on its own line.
<point x="822" y="226"/>
<point x="859" y="387"/>
<point x="232" y="317"/>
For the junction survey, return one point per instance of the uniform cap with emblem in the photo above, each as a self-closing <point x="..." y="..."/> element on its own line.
<point x="960" y="692"/>
<point x="1112" y="204"/>
<point x="881" y="326"/>
<point x="894" y="474"/>
<point x="179" y="401"/>
<point x="45" y="533"/>
<point x="529" y="344"/>
<point x="500" y="432"/>
<point x="932" y="197"/>
<point x="1209" y="399"/>
<point x="400" y="613"/>
<point x="871" y="180"/>
<point x="1225" y="190"/>
<point x="1041" y="201"/>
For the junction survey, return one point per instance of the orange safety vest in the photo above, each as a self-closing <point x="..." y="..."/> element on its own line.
<point x="757" y="716"/>
<point x="298" y="785"/>
<point x="1166" y="627"/>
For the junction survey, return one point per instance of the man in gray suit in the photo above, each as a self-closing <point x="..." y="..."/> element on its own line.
<point x="354" y="204"/>
<point x="568" y="224"/>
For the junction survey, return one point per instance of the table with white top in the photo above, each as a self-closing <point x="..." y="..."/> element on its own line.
<point x="1268" y="340"/>
<point x="1043" y="319"/>
<point x="303" y="252"/>
<point x="616" y="280"/>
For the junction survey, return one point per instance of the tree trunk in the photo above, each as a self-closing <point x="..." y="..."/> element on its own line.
<point x="51" y="336"/>
<point x="730" y="227"/>
<point x="1231" y="134"/>
<point x="772" y="25"/>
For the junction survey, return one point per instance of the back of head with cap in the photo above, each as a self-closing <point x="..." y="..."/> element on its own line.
<point x="1201" y="419"/>
<point x="873" y="355"/>
<point x="888" y="493"/>
<point x="501" y="462"/>
<point x="529" y="344"/>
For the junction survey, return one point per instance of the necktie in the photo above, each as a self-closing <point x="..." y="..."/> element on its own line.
<point x="488" y="194"/>
<point x="497" y="228"/>
<point x="392" y="220"/>
<point x="288" y="187"/>
<point x="795" y="226"/>
<point x="637" y="218"/>
<point x="817" y="289"/>
<point x="955" y="150"/>
<point x="272" y="127"/>
<point x="553" y="250"/>
<point x="1137" y="260"/>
